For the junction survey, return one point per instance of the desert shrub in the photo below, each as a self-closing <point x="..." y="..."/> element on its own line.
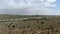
<point x="33" y="33"/>
<point x="58" y="23"/>
<point x="22" y="33"/>
<point x="31" y="29"/>
<point x="39" y="33"/>
<point x="10" y="25"/>
<point x="42" y="22"/>
<point x="56" y="31"/>
<point x="13" y="26"/>
<point x="38" y="21"/>
<point x="28" y="26"/>
<point x="51" y="27"/>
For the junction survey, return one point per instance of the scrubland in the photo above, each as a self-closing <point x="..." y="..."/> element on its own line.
<point x="44" y="25"/>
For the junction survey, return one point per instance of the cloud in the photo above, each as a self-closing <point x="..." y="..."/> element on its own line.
<point x="51" y="1"/>
<point x="30" y="11"/>
<point x="22" y="3"/>
<point x="28" y="7"/>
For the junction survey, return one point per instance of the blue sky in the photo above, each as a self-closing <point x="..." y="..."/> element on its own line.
<point x="58" y="5"/>
<point x="30" y="7"/>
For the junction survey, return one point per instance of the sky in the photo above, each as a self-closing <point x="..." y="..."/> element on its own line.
<point x="30" y="7"/>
